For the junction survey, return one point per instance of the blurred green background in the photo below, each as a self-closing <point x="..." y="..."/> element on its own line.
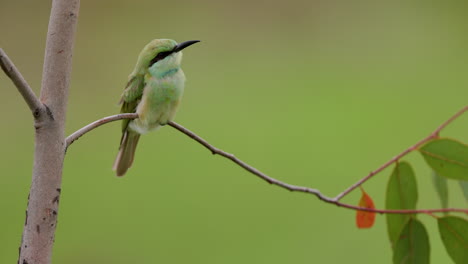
<point x="314" y="93"/>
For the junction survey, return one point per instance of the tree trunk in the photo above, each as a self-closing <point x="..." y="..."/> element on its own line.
<point x="44" y="195"/>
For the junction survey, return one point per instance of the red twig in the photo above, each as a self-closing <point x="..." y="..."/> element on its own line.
<point x="433" y="135"/>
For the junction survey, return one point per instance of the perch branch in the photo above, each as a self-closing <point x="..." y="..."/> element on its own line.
<point x="23" y="87"/>
<point x="263" y="176"/>
<point x="76" y="135"/>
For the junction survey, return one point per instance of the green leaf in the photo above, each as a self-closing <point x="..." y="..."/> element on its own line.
<point x="454" y="233"/>
<point x="402" y="193"/>
<point x="440" y="184"/>
<point x="412" y="245"/>
<point x="449" y="158"/>
<point x="464" y="186"/>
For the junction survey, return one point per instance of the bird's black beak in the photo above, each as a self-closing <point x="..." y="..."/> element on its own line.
<point x="183" y="45"/>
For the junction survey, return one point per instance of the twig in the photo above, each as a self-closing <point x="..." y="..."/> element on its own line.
<point x="23" y="87"/>
<point x="263" y="176"/>
<point x="433" y="135"/>
<point x="76" y="135"/>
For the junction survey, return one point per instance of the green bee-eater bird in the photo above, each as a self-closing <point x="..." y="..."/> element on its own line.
<point x="153" y="91"/>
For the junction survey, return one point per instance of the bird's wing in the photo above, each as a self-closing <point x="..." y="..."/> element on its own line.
<point x="131" y="97"/>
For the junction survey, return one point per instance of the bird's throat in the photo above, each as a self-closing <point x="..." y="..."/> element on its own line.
<point x="166" y="67"/>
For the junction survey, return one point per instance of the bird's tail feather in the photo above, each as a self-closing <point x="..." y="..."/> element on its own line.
<point x="126" y="154"/>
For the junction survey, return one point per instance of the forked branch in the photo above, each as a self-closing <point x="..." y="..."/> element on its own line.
<point x="431" y="136"/>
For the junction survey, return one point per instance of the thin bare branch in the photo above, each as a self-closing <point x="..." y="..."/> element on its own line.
<point x="77" y="134"/>
<point x="263" y="176"/>
<point x="433" y="135"/>
<point x="23" y="87"/>
<point x="295" y="188"/>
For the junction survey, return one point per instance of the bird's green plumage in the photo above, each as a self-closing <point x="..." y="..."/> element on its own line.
<point x="132" y="94"/>
<point x="153" y="90"/>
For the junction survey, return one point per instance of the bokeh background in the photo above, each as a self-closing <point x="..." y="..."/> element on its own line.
<point x="314" y="93"/>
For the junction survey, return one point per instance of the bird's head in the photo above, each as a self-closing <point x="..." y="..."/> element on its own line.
<point x="162" y="52"/>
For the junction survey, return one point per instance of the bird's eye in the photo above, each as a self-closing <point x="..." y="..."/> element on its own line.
<point x="160" y="56"/>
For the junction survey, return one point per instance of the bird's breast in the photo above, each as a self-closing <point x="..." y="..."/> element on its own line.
<point x="160" y="100"/>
